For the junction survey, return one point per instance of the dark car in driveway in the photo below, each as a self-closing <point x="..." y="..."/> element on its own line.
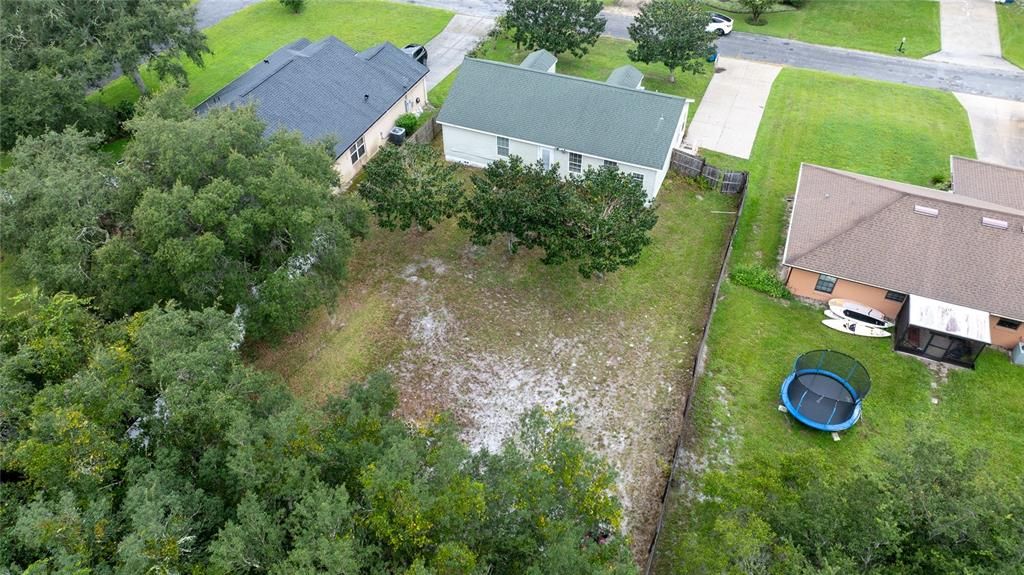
<point x="417" y="52"/>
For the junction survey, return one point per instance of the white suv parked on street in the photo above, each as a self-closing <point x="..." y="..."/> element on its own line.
<point x="719" y="24"/>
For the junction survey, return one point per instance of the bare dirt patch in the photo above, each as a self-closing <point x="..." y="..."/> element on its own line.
<point x="486" y="336"/>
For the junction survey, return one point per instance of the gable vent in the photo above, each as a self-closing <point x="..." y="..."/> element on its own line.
<point x="994" y="223"/>
<point x="926" y="211"/>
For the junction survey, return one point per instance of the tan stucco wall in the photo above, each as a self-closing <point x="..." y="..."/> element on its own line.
<point x="801" y="283"/>
<point x="378" y="133"/>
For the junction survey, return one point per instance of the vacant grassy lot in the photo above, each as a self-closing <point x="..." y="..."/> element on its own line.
<point x="755" y="339"/>
<point x="1011" y="32"/>
<point x="607" y="55"/>
<point x="872" y="25"/>
<point x="486" y="336"/>
<point x="875" y="128"/>
<point x="242" y="40"/>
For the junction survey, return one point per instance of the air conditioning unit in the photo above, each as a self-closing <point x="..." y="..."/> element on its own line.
<point x="1018" y="353"/>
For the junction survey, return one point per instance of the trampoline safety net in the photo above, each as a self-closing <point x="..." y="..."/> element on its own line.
<point x="839" y="364"/>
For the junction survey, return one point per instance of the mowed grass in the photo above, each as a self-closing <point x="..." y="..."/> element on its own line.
<point x="1011" y="32"/>
<point x="605" y="56"/>
<point x="905" y="134"/>
<point x="244" y="39"/>
<point x="885" y="130"/>
<point x="872" y="25"/>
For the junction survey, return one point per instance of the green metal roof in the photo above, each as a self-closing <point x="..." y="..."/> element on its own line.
<point x="539" y="60"/>
<point x="626" y="76"/>
<point x="593" y="118"/>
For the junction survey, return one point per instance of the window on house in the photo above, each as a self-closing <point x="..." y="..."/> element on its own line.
<point x="896" y="296"/>
<point x="638" y="177"/>
<point x="1008" y="323"/>
<point x="575" y="162"/>
<point x="825" y="283"/>
<point x="502" y="146"/>
<point x="358" y="150"/>
<point x="611" y="164"/>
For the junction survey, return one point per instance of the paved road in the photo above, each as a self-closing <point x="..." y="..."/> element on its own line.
<point x="998" y="83"/>
<point x="1004" y="84"/>
<point x="209" y="12"/>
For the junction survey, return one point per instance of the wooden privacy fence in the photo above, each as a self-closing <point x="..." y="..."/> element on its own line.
<point x="698" y="167"/>
<point x="425" y="133"/>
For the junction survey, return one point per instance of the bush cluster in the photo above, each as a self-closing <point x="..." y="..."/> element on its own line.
<point x="760" y="279"/>
<point x="408" y="121"/>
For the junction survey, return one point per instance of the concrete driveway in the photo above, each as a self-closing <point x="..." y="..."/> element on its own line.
<point x="998" y="128"/>
<point x="446" y="50"/>
<point x="970" y="35"/>
<point x="730" y="112"/>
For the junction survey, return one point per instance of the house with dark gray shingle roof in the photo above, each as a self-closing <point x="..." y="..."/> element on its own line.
<point x="496" y="110"/>
<point x="328" y="90"/>
<point x="886" y="244"/>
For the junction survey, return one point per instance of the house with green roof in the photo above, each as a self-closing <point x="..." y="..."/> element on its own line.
<point x="496" y="110"/>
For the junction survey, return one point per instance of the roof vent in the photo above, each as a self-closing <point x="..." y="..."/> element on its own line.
<point x="366" y="97"/>
<point x="994" y="223"/>
<point x="926" y="211"/>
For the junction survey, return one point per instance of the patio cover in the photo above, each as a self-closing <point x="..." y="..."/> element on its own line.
<point x="949" y="318"/>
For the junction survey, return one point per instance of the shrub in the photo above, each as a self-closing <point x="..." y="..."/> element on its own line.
<point x="798" y="4"/>
<point x="408" y="121"/>
<point x="760" y="279"/>
<point x="294" y="5"/>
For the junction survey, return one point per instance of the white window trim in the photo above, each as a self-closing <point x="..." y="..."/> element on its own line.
<point x="507" y="146"/>
<point x="579" y="168"/>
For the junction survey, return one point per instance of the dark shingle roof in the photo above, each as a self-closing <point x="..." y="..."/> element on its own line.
<point x="320" y="89"/>
<point x="594" y="118"/>
<point x="866" y="230"/>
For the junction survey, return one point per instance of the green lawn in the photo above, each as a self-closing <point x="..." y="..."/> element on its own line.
<point x="1011" y="32"/>
<point x="872" y="25"/>
<point x="242" y="40"/>
<point x="607" y="55"/>
<point x="885" y="130"/>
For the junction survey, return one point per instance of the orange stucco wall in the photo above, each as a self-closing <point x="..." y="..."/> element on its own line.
<point x="801" y="283"/>
<point x="1004" y="337"/>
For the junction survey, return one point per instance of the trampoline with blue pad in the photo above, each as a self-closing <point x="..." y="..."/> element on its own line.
<point x="825" y="390"/>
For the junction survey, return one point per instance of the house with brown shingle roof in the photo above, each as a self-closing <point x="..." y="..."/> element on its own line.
<point x="888" y="245"/>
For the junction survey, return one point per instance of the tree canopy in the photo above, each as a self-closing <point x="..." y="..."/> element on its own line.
<point x="146" y="445"/>
<point x="203" y="210"/>
<point x="925" y="508"/>
<point x="672" y="32"/>
<point x="600" y="219"/>
<point x="411" y="185"/>
<point x="555" y="25"/>
<point x="52" y="51"/>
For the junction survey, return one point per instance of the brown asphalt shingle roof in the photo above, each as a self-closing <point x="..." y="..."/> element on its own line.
<point x="865" y="229"/>
<point x="991" y="182"/>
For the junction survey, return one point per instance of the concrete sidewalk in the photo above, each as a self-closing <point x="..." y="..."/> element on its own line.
<point x="998" y="128"/>
<point x="970" y="35"/>
<point x="730" y="112"/>
<point x="446" y="50"/>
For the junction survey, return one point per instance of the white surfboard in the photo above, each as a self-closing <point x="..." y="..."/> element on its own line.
<point x="860" y="313"/>
<point x="855" y="328"/>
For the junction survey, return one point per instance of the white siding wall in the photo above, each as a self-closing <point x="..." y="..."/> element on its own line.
<point x="479" y="149"/>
